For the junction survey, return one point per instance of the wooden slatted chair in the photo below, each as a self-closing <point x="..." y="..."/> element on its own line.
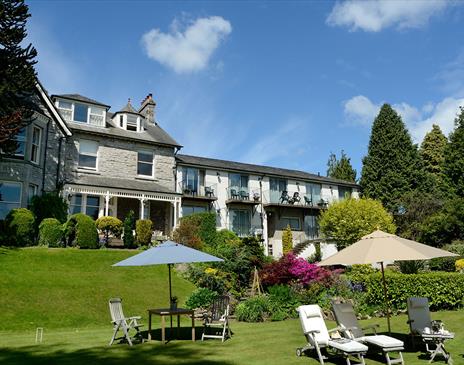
<point x="218" y="318"/>
<point x="120" y="322"/>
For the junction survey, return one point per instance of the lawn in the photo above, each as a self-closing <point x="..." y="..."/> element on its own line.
<point x="66" y="292"/>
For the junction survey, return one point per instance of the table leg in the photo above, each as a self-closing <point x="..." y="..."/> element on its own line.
<point x="149" y="326"/>
<point x="178" y="326"/>
<point x="193" y="327"/>
<point x="163" y="329"/>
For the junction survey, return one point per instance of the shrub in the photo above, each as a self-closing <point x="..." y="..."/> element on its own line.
<point x="411" y="267"/>
<point x="444" y="290"/>
<point x="442" y="264"/>
<point x="51" y="232"/>
<point x="287" y="240"/>
<point x="224" y="236"/>
<point x="19" y="225"/>
<point x="143" y="231"/>
<point x="129" y="226"/>
<point x="201" y="298"/>
<point x="255" y="309"/>
<point x="109" y="225"/>
<point x="196" y="230"/>
<point x="283" y="300"/>
<point x="81" y="231"/>
<point x="357" y="273"/>
<point x="49" y="205"/>
<point x="460" y="265"/>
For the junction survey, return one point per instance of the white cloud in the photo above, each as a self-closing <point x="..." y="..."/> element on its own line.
<point x="361" y="110"/>
<point x="375" y="15"/>
<point x="452" y="76"/>
<point x="190" y="50"/>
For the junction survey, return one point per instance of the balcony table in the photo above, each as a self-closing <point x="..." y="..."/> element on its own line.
<point x="163" y="312"/>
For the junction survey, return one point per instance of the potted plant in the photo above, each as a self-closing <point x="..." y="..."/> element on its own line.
<point x="174" y="302"/>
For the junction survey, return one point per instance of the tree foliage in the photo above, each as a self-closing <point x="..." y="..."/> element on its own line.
<point x="341" y="169"/>
<point x="109" y="225"/>
<point x="454" y="156"/>
<point x="197" y="230"/>
<point x="128" y="228"/>
<point x="17" y="74"/>
<point x="49" y="205"/>
<point x="348" y="220"/>
<point x="392" y="166"/>
<point x="144" y="231"/>
<point x="287" y="240"/>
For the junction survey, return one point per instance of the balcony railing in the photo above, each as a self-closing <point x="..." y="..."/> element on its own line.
<point x="97" y="120"/>
<point x="293" y="199"/>
<point x="243" y="195"/>
<point x="203" y="192"/>
<point x="246" y="230"/>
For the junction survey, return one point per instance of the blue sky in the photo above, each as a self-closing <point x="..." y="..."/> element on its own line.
<point x="275" y="83"/>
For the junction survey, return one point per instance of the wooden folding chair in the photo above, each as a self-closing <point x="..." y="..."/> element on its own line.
<point x="218" y="318"/>
<point x="120" y="322"/>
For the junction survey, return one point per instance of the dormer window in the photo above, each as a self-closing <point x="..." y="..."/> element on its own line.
<point x="132" y="123"/>
<point x="73" y="111"/>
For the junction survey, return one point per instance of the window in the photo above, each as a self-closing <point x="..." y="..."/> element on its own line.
<point x="313" y="191"/>
<point x="145" y="163"/>
<point x="277" y="187"/>
<point x="131" y="123"/>
<point x="65" y="110"/>
<point x="10" y="197"/>
<point x="31" y="192"/>
<point x="190" y="209"/>
<point x="20" y="139"/>
<point x="240" y="222"/>
<point x="344" y="192"/>
<point x="76" y="204"/>
<point x="88" y="151"/>
<point x="190" y="180"/>
<point x="293" y="222"/>
<point x="96" y="116"/>
<point x="93" y="206"/>
<point x="121" y="121"/>
<point x="311" y="227"/>
<point x="35" y="144"/>
<point x="80" y="113"/>
<point x="239" y="184"/>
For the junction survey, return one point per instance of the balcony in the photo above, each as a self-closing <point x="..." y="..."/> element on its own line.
<point x="243" y="195"/>
<point x="205" y="193"/>
<point x="293" y="200"/>
<point x="246" y="230"/>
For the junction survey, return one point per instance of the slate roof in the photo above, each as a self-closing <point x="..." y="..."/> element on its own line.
<point x="115" y="183"/>
<point x="256" y="169"/>
<point x="79" y="97"/>
<point x="128" y="108"/>
<point x="153" y="134"/>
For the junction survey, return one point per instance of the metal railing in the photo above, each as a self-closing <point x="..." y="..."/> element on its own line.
<point x="243" y="194"/>
<point x="205" y="191"/>
<point x="293" y="198"/>
<point x="245" y="230"/>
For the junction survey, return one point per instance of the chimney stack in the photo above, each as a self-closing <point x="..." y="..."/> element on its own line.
<point x="147" y="109"/>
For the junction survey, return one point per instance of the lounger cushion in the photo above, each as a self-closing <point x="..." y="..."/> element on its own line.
<point x="382" y="341"/>
<point x="348" y="346"/>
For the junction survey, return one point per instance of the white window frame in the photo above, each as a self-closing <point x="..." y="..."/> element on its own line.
<point x="152" y="176"/>
<point x="36" y="147"/>
<point x="20" y="193"/>
<point x="23" y="140"/>
<point x="87" y="154"/>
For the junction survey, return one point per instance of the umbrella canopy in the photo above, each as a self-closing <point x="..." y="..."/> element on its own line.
<point x="169" y="253"/>
<point x="379" y="247"/>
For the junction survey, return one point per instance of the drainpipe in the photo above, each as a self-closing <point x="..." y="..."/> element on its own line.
<point x="58" y="164"/>
<point x="45" y="156"/>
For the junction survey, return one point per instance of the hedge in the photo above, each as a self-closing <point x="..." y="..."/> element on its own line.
<point x="143" y="231"/>
<point x="81" y="231"/>
<point x="444" y="290"/>
<point x="19" y="224"/>
<point x="51" y="232"/>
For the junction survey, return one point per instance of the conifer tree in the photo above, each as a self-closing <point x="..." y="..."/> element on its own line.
<point x="341" y="169"/>
<point x="392" y="166"/>
<point x="17" y="74"/>
<point x="454" y="156"/>
<point x="287" y="240"/>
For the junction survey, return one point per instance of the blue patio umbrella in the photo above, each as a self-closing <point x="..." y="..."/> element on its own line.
<point x="169" y="253"/>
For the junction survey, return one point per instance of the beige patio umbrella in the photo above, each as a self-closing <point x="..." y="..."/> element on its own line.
<point x="379" y="247"/>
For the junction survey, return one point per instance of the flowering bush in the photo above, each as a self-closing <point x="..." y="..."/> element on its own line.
<point x="291" y="269"/>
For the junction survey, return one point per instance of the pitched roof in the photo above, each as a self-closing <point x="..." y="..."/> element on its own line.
<point x="256" y="169"/>
<point x="52" y="109"/>
<point x="115" y="183"/>
<point x="128" y="108"/>
<point x="80" y="97"/>
<point x="153" y="134"/>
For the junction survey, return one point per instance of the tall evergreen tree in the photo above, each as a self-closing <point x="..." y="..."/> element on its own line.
<point x="17" y="74"/>
<point x="341" y="169"/>
<point x="454" y="156"/>
<point x="392" y="166"/>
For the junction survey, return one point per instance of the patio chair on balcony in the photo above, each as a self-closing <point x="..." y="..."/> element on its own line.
<point x="256" y="197"/>
<point x="284" y="197"/>
<point x="209" y="191"/>
<point x="188" y="190"/>
<point x="295" y="198"/>
<point x="244" y="195"/>
<point x="308" y="201"/>
<point x="120" y="322"/>
<point x="234" y="194"/>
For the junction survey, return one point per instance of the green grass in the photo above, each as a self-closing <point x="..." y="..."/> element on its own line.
<point x="66" y="292"/>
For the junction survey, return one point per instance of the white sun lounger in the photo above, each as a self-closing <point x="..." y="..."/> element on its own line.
<point x="318" y="337"/>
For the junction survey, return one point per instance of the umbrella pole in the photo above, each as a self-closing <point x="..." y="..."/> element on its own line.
<point x="170" y="294"/>
<point x="386" y="298"/>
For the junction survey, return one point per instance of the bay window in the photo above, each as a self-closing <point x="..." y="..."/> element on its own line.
<point x="10" y="197"/>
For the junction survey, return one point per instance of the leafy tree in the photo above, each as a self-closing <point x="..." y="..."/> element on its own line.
<point x="341" y="169"/>
<point x="197" y="230"/>
<point x="49" y="205"/>
<point x="17" y="74"/>
<point x="287" y="240"/>
<point x="109" y="225"/>
<point x="128" y="230"/>
<point x="392" y="166"/>
<point x="454" y="156"/>
<point x="348" y="220"/>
